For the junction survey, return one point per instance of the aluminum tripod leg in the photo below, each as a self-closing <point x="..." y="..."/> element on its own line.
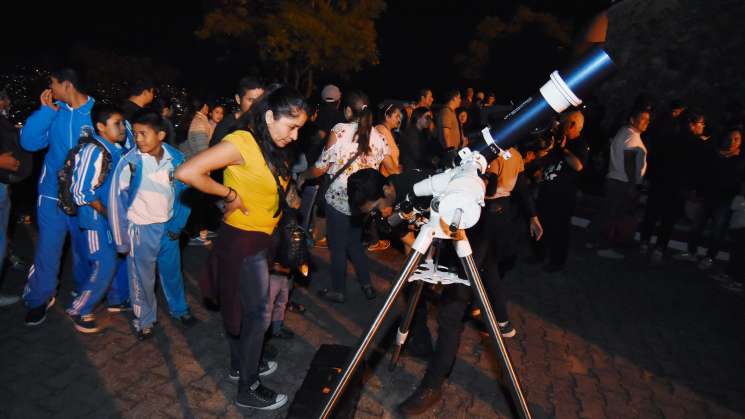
<point x="487" y="314"/>
<point x="403" y="330"/>
<point x="412" y="262"/>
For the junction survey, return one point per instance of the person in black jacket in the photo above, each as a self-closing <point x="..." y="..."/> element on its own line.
<point x="722" y="171"/>
<point x="8" y="162"/>
<point x="141" y="94"/>
<point x="249" y="91"/>
<point x="369" y="190"/>
<point x="678" y="171"/>
<point x="419" y="150"/>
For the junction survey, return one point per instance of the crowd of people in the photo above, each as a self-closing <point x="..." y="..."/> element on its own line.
<point x="127" y="186"/>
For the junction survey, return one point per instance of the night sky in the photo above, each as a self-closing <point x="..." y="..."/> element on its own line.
<point x="417" y="40"/>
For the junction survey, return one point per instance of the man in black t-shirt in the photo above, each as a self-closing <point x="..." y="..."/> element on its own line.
<point x="329" y="112"/>
<point x="557" y="194"/>
<point x="419" y="148"/>
<point x="141" y="94"/>
<point x="249" y="91"/>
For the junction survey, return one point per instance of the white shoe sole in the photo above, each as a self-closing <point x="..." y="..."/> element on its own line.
<point x="87" y="331"/>
<point x="272" y="367"/>
<point x="510" y="334"/>
<point x="281" y="400"/>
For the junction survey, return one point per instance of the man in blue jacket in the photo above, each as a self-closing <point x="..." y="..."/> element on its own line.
<point x="58" y="124"/>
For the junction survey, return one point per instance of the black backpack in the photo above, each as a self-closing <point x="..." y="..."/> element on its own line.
<point x="64" y="176"/>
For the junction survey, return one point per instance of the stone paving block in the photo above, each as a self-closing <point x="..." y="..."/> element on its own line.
<point x="592" y="409"/>
<point x="26" y="410"/>
<point x="369" y="407"/>
<point x="566" y="410"/>
<point x="147" y="407"/>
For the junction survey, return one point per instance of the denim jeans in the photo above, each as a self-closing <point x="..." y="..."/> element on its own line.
<point x="344" y="237"/>
<point x="245" y="350"/>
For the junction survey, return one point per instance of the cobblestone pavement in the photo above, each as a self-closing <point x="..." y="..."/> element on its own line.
<point x="604" y="339"/>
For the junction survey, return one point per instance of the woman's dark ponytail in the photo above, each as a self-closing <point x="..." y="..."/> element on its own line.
<point x="363" y="114"/>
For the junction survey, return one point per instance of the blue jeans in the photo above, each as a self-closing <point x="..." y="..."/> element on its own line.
<point x="151" y="247"/>
<point x="345" y="241"/>
<point x="245" y="350"/>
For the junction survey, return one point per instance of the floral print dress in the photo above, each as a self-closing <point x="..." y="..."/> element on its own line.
<point x="336" y="156"/>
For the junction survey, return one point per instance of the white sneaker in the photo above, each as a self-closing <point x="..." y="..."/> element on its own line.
<point x="610" y="254"/>
<point x="198" y="241"/>
<point x="685" y="257"/>
<point x="6" y="300"/>
<point x="706" y="263"/>
<point x="721" y="277"/>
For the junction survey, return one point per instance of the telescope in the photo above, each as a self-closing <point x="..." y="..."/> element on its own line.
<point x="457" y="198"/>
<point x="458" y="193"/>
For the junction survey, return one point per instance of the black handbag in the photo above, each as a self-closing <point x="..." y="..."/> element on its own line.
<point x="292" y="251"/>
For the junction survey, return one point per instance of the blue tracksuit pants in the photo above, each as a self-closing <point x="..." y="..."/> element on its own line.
<point x="54" y="225"/>
<point x="103" y="264"/>
<point x="151" y="246"/>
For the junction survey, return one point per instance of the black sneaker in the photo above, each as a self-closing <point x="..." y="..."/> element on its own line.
<point x="421" y="401"/>
<point x="86" y="323"/>
<point x="261" y="397"/>
<point x="37" y="315"/>
<point x="145" y="333"/>
<point x="118" y="308"/>
<point x="265" y="368"/>
<point x="369" y="292"/>
<point x="187" y="320"/>
<point x="270" y="352"/>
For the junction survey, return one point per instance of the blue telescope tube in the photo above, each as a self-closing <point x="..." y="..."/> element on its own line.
<point x="562" y="91"/>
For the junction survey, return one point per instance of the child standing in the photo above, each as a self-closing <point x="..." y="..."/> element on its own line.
<point x="146" y="218"/>
<point x="89" y="189"/>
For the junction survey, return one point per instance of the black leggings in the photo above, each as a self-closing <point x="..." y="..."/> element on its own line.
<point x="665" y="204"/>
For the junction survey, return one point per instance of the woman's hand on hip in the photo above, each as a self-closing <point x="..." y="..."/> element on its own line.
<point x="235" y="205"/>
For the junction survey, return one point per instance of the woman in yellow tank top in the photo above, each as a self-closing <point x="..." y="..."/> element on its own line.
<point x="257" y="169"/>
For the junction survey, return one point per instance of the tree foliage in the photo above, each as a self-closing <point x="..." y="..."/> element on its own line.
<point x="300" y="38"/>
<point x="493" y="28"/>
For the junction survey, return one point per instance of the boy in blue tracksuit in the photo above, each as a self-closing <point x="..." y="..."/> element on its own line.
<point x="146" y="216"/>
<point x="89" y="189"/>
<point x="57" y="125"/>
